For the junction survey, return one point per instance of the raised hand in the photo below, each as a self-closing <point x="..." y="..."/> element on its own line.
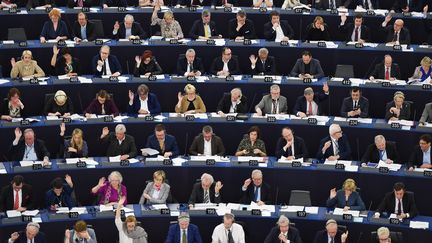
<point x="247" y="182"/>
<point x="179" y="96"/>
<point x="105" y="131"/>
<point x="333" y="193"/>
<point x="55" y="50"/>
<point x="18" y="133"/>
<point x="12" y="61"/>
<point x="138" y="60"/>
<point x="62" y="128"/>
<point x="116" y="26"/>
<point x="253" y="59"/>
<point x="218" y="186"/>
<point x="101" y="181"/>
<point x="131" y="95"/>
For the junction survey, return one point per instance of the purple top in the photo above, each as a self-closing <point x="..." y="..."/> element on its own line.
<point x="96" y="108"/>
<point x="112" y="194"/>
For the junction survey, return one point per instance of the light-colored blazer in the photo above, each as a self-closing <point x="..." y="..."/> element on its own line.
<point x="184" y="104"/>
<point x="266" y="104"/>
<point x="427" y="113"/>
<point x="21" y="69"/>
<point x="163" y="195"/>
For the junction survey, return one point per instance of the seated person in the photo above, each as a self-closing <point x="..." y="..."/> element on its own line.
<point x="189" y="64"/>
<point x="356" y="105"/>
<point x="317" y="30"/>
<point x="143" y="102"/>
<point x="232" y="102"/>
<point x="386" y="70"/>
<point x="189" y="232"/>
<point x="383" y="235"/>
<point x="424" y="71"/>
<point x="291" y="147"/>
<point x="347" y="198"/>
<point x="332" y="4"/>
<point x="110" y="192"/>
<point x="150" y="3"/>
<point x="357" y="31"/>
<point x="16" y="188"/>
<point x="404" y="6"/>
<point x="257" y="191"/>
<point x="76" y="146"/>
<point x="225" y="3"/>
<point x="283" y="232"/>
<point x="263" y="64"/>
<point x="335" y="146"/>
<point x="31" y="234"/>
<point x="129" y="29"/>
<point x="129" y="230"/>
<point x="103" y="104"/>
<point x="60" y="195"/>
<point x="310" y="104"/>
<point x="119" y="143"/>
<point x="289" y="4"/>
<point x="226" y="65"/>
<point x="381" y="150"/>
<point x="262" y="3"/>
<point x="79" y="3"/>
<point x="399" y="202"/>
<point x="398" y="109"/>
<point x="170" y="28"/>
<point x="241" y="28"/>
<point x="426" y="114"/>
<point x="204" y="28"/>
<point x="251" y="145"/>
<point x="207" y="144"/>
<point x="55" y="28"/>
<point x="113" y="3"/>
<point x="157" y="191"/>
<point x="59" y="105"/>
<point x="28" y="148"/>
<point x="8" y="4"/>
<point x="12" y="106"/>
<point x="396" y="34"/>
<point x="228" y="231"/>
<point x="365" y="4"/>
<point x="26" y="67"/>
<point x="190" y="103"/>
<point x="272" y="103"/>
<point x="331" y="233"/>
<point x="307" y="67"/>
<point x="277" y="30"/>
<point x="83" y="30"/>
<point x="146" y="65"/>
<point x="165" y="143"/>
<point x="80" y="233"/>
<point x="421" y="157"/>
<point x="206" y="191"/>
<point x="106" y="64"/>
<point x="66" y="63"/>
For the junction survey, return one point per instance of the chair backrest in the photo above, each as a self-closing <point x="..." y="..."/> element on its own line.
<point x="300" y="198"/>
<point x="17" y="34"/>
<point x="394" y="236"/>
<point x="98" y="28"/>
<point x="344" y="71"/>
<point x="1" y="71"/>
<point x="48" y="97"/>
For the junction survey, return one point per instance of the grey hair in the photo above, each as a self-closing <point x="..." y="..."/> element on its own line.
<point x="191" y="51"/>
<point x="282" y="220"/>
<point x="333" y="128"/>
<point x="129" y="16"/>
<point x="274" y="87"/>
<point x="208" y="177"/>
<point x="116" y="174"/>
<point x="308" y="91"/>
<point x="120" y="128"/>
<point x="36" y="226"/>
<point x="257" y="173"/>
<point x="379" y="138"/>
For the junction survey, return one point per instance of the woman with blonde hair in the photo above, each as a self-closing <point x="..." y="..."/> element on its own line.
<point x="317" y="30"/>
<point x="190" y="102"/>
<point x="26" y="67"/>
<point x="75" y="147"/>
<point x="398" y="109"/>
<point x="156" y="191"/>
<point x="347" y="198"/>
<point x="170" y="28"/>
<point x="55" y="29"/>
<point x="424" y="71"/>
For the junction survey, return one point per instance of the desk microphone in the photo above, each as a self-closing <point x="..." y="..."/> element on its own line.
<point x="80" y="102"/>
<point x="253" y="101"/>
<point x="414" y="117"/>
<point x="127" y="66"/>
<point x="360" y="236"/>
<point x="358" y="149"/>
<point x="277" y="195"/>
<point x="186" y="145"/>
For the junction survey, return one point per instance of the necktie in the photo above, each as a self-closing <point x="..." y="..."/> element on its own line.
<point x="332" y="6"/>
<point x="184" y="238"/>
<point x="336" y="148"/>
<point x="230" y="237"/>
<point x="162" y="146"/>
<point x="310" y="111"/>
<point x="387" y="74"/>
<point x="104" y="71"/>
<point x="206" y="197"/>
<point x="103" y="109"/>
<point x="16" y="203"/>
<point x="399" y="207"/>
<point x="356" y="34"/>
<point x="256" y="193"/>
<point x="80" y="3"/>
<point x="365" y="4"/>
<point x="263" y="66"/>
<point x="206" y="31"/>
<point x="274" y="109"/>
<point x="331" y="240"/>
<point x="289" y="151"/>
<point x="83" y="33"/>
<point x="381" y="154"/>
<point x="395" y="36"/>
<point x="355" y="105"/>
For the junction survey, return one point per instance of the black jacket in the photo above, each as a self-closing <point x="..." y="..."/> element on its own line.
<point x="372" y="154"/>
<point x="388" y="204"/>
<point x="344" y="149"/>
<point x="197" y="29"/>
<point x="249" y="195"/>
<point x="152" y="67"/>
<point x="404" y="35"/>
<point x="225" y="103"/>
<point x="347" y="106"/>
<point x="405" y="113"/>
<point x="114" y="149"/>
<point x="7" y="198"/>
<point x="300" y="150"/>
<point x="322" y="237"/>
<point x="268" y="68"/>
<point x="136" y="30"/>
<point x="348" y="28"/>
<point x="293" y="235"/>
<point x="197" y="146"/>
<point x="16" y="153"/>
<point x="197" y="195"/>
<point x="270" y="33"/>
<point x="90" y="31"/>
<point x="247" y="30"/>
<point x="379" y="71"/>
<point x="233" y="66"/>
<point x="182" y="65"/>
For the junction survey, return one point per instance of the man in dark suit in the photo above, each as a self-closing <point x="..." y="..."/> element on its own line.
<point x="83" y="29"/>
<point x="129" y="29"/>
<point x="226" y="65"/>
<point x="273" y="103"/>
<point x="399" y="202"/>
<point x="106" y="64"/>
<point x="357" y="31"/>
<point x="290" y="146"/>
<point x="207" y="144"/>
<point x="241" y="28"/>
<point x="28" y="148"/>
<point x="263" y="64"/>
<point x="16" y="190"/>
<point x="79" y="3"/>
<point x="331" y="4"/>
<point x="192" y="2"/>
<point x="119" y="143"/>
<point x="233" y="102"/>
<point x="427" y="114"/>
<point x="204" y="28"/>
<point x="144" y="102"/>
<point x="307" y="67"/>
<point x="225" y="3"/>
<point x="206" y="191"/>
<point x="386" y="70"/>
<point x="255" y="190"/>
<point x="277" y="30"/>
<point x="331" y="234"/>
<point x="356" y="105"/>
<point x="366" y="4"/>
<point x="421" y="157"/>
<point x="406" y="6"/>
<point x="189" y="64"/>
<point x="283" y="232"/>
<point x="396" y="33"/>
<point x="310" y="103"/>
<point x="184" y="231"/>
<point x="381" y="150"/>
<point x="31" y="234"/>
<point x="164" y="143"/>
<point x="335" y="146"/>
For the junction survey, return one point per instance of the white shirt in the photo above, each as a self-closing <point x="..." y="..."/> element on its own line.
<point x="220" y="234"/>
<point x="155" y="194"/>
<point x="19" y="196"/>
<point x="144" y="104"/>
<point x="279" y="33"/>
<point x="355" y="103"/>
<point x="107" y="67"/>
<point x="426" y="156"/>
<point x="207" y="148"/>
<point x="233" y="106"/>
<point x="384" y="156"/>
<point x="225" y="66"/>
<point x="120" y="141"/>
<point x="396" y="205"/>
<point x="292" y="148"/>
<point x="123" y="238"/>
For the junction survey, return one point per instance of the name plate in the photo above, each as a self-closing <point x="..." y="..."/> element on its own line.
<point x="81" y="164"/>
<point x="346" y="82"/>
<point x="124" y="163"/>
<point x="149" y="118"/>
<point x="113" y="79"/>
<point x="85" y="9"/>
<point x="253" y="162"/>
<point x="61" y="43"/>
<point x="339" y="166"/>
<point x="25" y="122"/>
<point x="210" y="211"/>
<point x="307" y="80"/>
<point x="192" y="9"/>
<point x="347" y="217"/>
<point x="66" y="120"/>
<point x="108" y="119"/>
<point x="190" y="118"/>
<point x="427" y="173"/>
<point x="26" y="218"/>
<point x="321" y="44"/>
<point x="407" y="14"/>
<point x="370" y="12"/>
<point x="136" y="42"/>
<point x="98" y="42"/>
<point x="13" y="10"/>
<point x="263" y="10"/>
<point x="358" y="45"/>
<point x="268" y="79"/>
<point x="121" y="9"/>
<point x="247" y="42"/>
<point x="383" y="170"/>
<point x="284" y="43"/>
<point x="353" y="123"/>
<point x="229" y="78"/>
<point x="301" y="214"/>
<point x="397" y="47"/>
<point x="210" y="162"/>
<point x="312" y="121"/>
<point x="34" y="81"/>
<point x="37" y="166"/>
<point x="298" y="10"/>
<point x="228" y="9"/>
<point x="230" y="118"/>
<point x="152" y="78"/>
<point x="334" y="11"/>
<point x="22" y="44"/>
<point x="73" y="215"/>
<point x="191" y="78"/>
<point x="386" y="84"/>
<point x="394" y="221"/>
<point x="271" y="119"/>
<point x="48" y="9"/>
<point x="173" y="41"/>
<point x="395" y="125"/>
<point x="165" y="211"/>
<point x="74" y="79"/>
<point x="167" y="162"/>
<point x="211" y="42"/>
<point x="296" y="164"/>
<point x="256" y="212"/>
<point x="426" y="86"/>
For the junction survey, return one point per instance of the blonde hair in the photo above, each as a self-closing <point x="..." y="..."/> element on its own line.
<point x="168" y="14"/>
<point x="55" y="12"/>
<point x="349" y="184"/>
<point x="77" y="132"/>
<point x="160" y="173"/>
<point x="318" y="18"/>
<point x="131" y="219"/>
<point x="398" y="94"/>
<point x="60" y="97"/>
<point x="383" y="231"/>
<point x="189" y="88"/>
<point x="27" y="52"/>
<point x="426" y="61"/>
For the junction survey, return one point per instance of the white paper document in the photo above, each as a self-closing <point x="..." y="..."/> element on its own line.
<point x="149" y="151"/>
<point x="392" y="167"/>
<point x="419" y="225"/>
<point x="340" y="211"/>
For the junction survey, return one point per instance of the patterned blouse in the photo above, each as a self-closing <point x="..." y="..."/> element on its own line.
<point x="172" y="30"/>
<point x="245" y="143"/>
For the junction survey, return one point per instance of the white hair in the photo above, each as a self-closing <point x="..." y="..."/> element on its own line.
<point x="115" y="174"/>
<point x="207" y="177"/>
<point x="274" y="87"/>
<point x="330" y="223"/>
<point x="236" y="90"/>
<point x="120" y="128"/>
<point x="383" y="231"/>
<point x="379" y="138"/>
<point x="129" y="16"/>
<point x="191" y="51"/>
<point x="333" y="128"/>
<point x="263" y="51"/>
<point x="257" y="173"/>
<point x="283" y="220"/>
<point x="33" y="225"/>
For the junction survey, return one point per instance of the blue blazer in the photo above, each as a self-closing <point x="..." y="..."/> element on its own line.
<point x="344" y="149"/>
<point x="49" y="33"/>
<point x="354" y="201"/>
<point x="170" y="144"/>
<point x="193" y="234"/>
<point x="113" y="63"/>
<point x="65" y="197"/>
<point x="152" y="103"/>
<point x="301" y="103"/>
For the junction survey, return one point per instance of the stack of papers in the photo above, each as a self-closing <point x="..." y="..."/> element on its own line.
<point x="158" y="77"/>
<point x="204" y="158"/>
<point x="392" y="167"/>
<point x="292" y="209"/>
<point x="4" y="81"/>
<point x="103" y="208"/>
<point x="403" y="122"/>
<point x="285" y="160"/>
<point x="159" y="206"/>
<point x="249" y="158"/>
<point x="117" y="159"/>
<point x="340" y="211"/>
<point x="15" y="213"/>
<point x="79" y="210"/>
<point x="214" y="114"/>
<point x="25" y="163"/>
<point x="149" y="151"/>
<point x="89" y="161"/>
<point x="419" y="225"/>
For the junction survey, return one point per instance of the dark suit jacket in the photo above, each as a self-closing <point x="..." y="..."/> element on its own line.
<point x="170" y="144"/>
<point x="224" y="104"/>
<point x="16" y="153"/>
<point x="322" y="237"/>
<point x="247" y="30"/>
<point x="372" y="153"/>
<point x="197" y="195"/>
<point x="182" y="65"/>
<point x="95" y="107"/>
<point x="40" y="238"/>
<point x="408" y="203"/>
<point x="194" y="3"/>
<point x="7" y="197"/>
<point x="135" y="30"/>
<point x="193" y="234"/>
<point x="114" y="149"/>
<point x="313" y="34"/>
<point x="344" y="149"/>
<point x="416" y="158"/>
<point x="65" y="198"/>
<point x="233" y="66"/>
<point x="301" y="103"/>
<point x="347" y="106"/>
<point x="379" y="71"/>
<point x="404" y="35"/>
<point x="324" y="4"/>
<point x="152" y="67"/>
<point x="90" y="31"/>
<point x="61" y="68"/>
<point x="249" y="195"/>
<point x="354" y="201"/>
<point x="405" y="113"/>
<point x="352" y="4"/>
<point x="270" y="33"/>
<point x="152" y="103"/>
<point x="414" y="5"/>
<point x="269" y="67"/>
<point x="427" y="113"/>
<point x="221" y="2"/>
<point x="114" y="3"/>
<point x="197" y="146"/>
<point x="49" y="33"/>
<point x="348" y="28"/>
<point x="113" y="63"/>
<point x="293" y="235"/>
<point x="315" y="68"/>
<point x="52" y="107"/>
<point x="74" y="3"/>
<point x="300" y="150"/>
<point x="197" y="29"/>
